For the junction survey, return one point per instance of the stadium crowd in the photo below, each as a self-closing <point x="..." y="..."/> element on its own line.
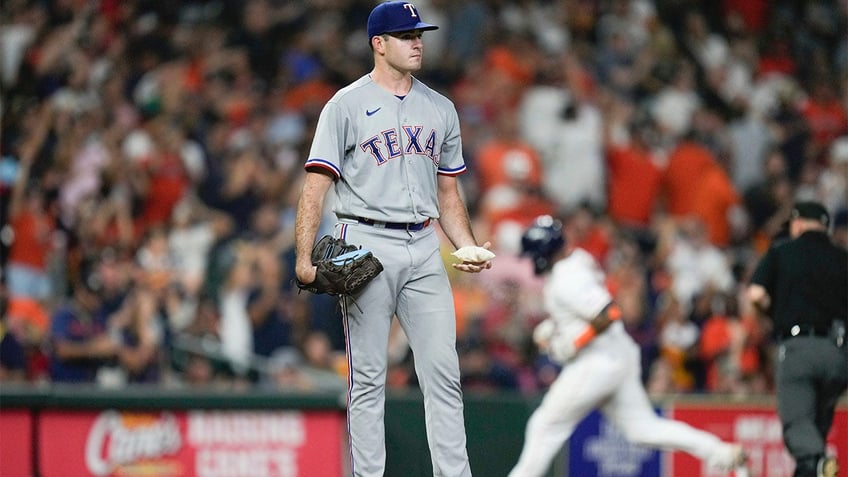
<point x="152" y="156"/>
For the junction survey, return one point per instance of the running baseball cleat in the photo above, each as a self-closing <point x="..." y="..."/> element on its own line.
<point x="740" y="462"/>
<point x="731" y="458"/>
<point x="827" y="467"/>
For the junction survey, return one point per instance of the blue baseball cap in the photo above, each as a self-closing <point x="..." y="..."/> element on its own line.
<point x="391" y="17"/>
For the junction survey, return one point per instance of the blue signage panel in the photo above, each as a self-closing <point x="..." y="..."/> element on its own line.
<point x="598" y="449"/>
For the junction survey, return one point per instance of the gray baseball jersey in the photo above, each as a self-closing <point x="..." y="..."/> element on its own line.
<point x="386" y="153"/>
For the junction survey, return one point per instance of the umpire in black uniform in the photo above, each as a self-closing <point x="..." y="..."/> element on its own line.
<point x="802" y="284"/>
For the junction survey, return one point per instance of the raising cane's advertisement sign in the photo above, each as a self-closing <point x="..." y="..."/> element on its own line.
<point x="114" y="443"/>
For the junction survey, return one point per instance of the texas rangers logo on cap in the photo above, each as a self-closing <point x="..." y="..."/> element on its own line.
<point x="391" y="17"/>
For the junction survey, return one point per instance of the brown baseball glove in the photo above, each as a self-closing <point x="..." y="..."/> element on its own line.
<point x="342" y="269"/>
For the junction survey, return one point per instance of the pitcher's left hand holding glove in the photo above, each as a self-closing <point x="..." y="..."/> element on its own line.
<point x="341" y="269"/>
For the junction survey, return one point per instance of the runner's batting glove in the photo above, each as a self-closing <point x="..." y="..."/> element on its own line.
<point x="561" y="349"/>
<point x="542" y="334"/>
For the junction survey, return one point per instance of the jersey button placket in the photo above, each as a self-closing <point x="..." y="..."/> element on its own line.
<point x="407" y="159"/>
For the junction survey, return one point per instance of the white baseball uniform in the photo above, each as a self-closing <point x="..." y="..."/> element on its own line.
<point x="386" y="154"/>
<point x="605" y="374"/>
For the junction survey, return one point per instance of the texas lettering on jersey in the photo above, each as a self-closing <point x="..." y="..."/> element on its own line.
<point x="386" y="146"/>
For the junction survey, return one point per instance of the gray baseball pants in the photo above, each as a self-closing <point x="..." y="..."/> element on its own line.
<point x="414" y="287"/>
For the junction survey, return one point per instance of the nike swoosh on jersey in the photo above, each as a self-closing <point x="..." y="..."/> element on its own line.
<point x="371" y="113"/>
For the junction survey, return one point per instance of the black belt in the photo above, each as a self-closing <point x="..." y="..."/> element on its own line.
<point x="393" y="225"/>
<point x="806" y="330"/>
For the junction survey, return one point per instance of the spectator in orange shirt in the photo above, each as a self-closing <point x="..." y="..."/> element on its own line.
<point x="776" y="58"/>
<point x="510" y="177"/>
<point x="510" y="67"/>
<point x="715" y="201"/>
<point x="631" y="162"/>
<point x="729" y="347"/>
<point x="694" y="184"/>
<point x="628" y="205"/>
<point x="587" y="229"/>
<point x="31" y="220"/>
<point x="33" y="230"/>
<point x="687" y="164"/>
<point x="29" y="322"/>
<point x="163" y="175"/>
<point x="505" y="158"/>
<point x="825" y="116"/>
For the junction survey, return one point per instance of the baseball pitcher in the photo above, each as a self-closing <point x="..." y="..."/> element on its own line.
<point x="391" y="148"/>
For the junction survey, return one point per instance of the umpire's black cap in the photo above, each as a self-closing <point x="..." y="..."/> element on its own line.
<point x="812" y="211"/>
